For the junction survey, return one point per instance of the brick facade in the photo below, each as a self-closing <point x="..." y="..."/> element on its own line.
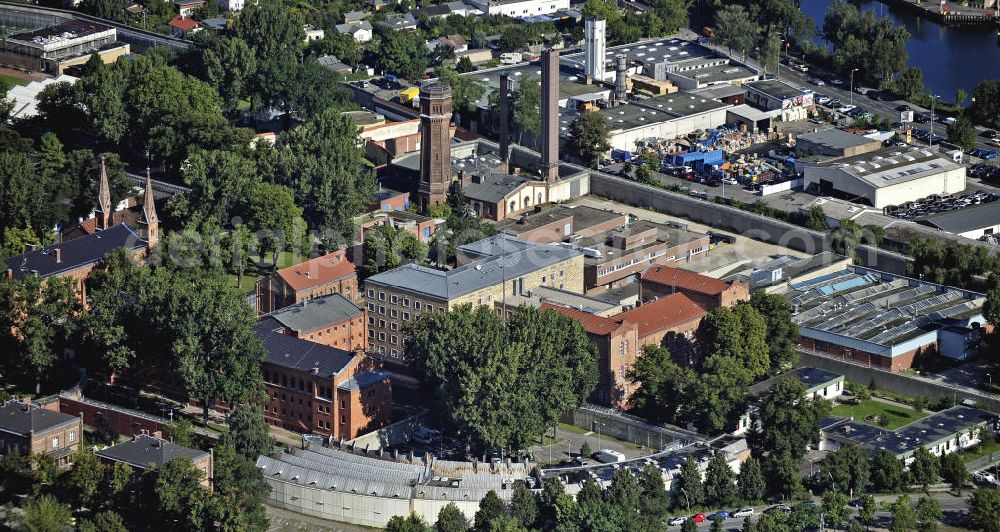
<point x="330" y="274"/>
<point x="32" y="429"/>
<point x="707" y="292"/>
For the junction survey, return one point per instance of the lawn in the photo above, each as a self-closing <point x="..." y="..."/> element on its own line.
<point x="256" y="271"/>
<point x="11" y="80"/>
<point x="981" y="450"/>
<point x="895" y="416"/>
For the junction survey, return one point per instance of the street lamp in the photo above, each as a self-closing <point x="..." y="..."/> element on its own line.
<point x="852" y="85"/>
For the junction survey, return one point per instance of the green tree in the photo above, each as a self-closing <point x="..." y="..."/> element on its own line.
<point x="230" y="65"/>
<point x="903" y="516"/>
<point x="274" y="216"/>
<point x="589" y="138"/>
<point x="239" y="491"/>
<point x="37" y="320"/>
<point x="986" y="101"/>
<point x="275" y="34"/>
<point x="524" y="505"/>
<point x="954" y="472"/>
<point x="527" y="105"/>
<point x="24" y="201"/>
<point x="720" y="482"/>
<point x="991" y="309"/>
<point x="16" y="241"/>
<point x="781" y="470"/>
<point x="181" y="432"/>
<point x="662" y="385"/>
<point x="787" y="421"/>
<point x="85" y="480"/>
<point x="103" y="522"/>
<point x="490" y="507"/>
<point x="816" y="219"/>
<point x="735" y="30"/>
<point x="910" y="83"/>
<point x="866" y="512"/>
<point x="688" y="488"/>
<point x="835" y="508"/>
<point x="464" y="65"/>
<point x="962" y="133"/>
<point x="887" y="472"/>
<point x="248" y="433"/>
<point x="585" y="450"/>
<point x="984" y="508"/>
<point x="782" y="332"/>
<point x="928" y="512"/>
<point x="451" y="519"/>
<point x="847" y="469"/>
<point x="323" y="164"/>
<point x="468" y="357"/>
<point x="413" y="523"/>
<point x="387" y="247"/>
<point x="45" y="513"/>
<point x="176" y="484"/>
<point x="654" y="500"/>
<point x="925" y="467"/>
<point x="750" y="481"/>
<point x="689" y="526"/>
<point x="403" y="54"/>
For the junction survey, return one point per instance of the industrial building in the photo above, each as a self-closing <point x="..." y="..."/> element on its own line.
<point x="969" y="222"/>
<point x="890" y="176"/>
<point x="883" y="320"/>
<point x="835" y="143"/>
<point x="773" y="95"/>
<point x="941" y="433"/>
<point x="667" y="117"/>
<point x="54" y="48"/>
<point x="519" y="8"/>
<point x="343" y="486"/>
<point x="561" y="222"/>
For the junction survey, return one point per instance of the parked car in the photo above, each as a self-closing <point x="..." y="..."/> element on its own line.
<point x="802" y="68"/>
<point x="743" y="512"/>
<point x="822" y="99"/>
<point x="837" y="81"/>
<point x="834" y="103"/>
<point x="426" y="435"/>
<point x="983" y="477"/>
<point x="721" y="515"/>
<point x="816" y="81"/>
<point x="677" y="521"/>
<point x="903" y="108"/>
<point x="990" y="134"/>
<point x="699" y="518"/>
<point x="780" y="508"/>
<point x="948" y="120"/>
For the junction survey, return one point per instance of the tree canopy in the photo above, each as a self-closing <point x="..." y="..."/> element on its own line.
<point x="503" y="383"/>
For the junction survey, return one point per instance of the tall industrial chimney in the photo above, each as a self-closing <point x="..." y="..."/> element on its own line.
<point x="550" y="115"/>
<point x="435" y="144"/>
<point x="621" y="77"/>
<point x="594" y="39"/>
<point x="505" y="120"/>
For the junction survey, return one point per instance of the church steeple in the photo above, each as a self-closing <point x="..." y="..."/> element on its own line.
<point x="103" y="199"/>
<point x="150" y="228"/>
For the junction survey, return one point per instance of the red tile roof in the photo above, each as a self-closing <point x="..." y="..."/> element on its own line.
<point x="664" y="313"/>
<point x="592" y="323"/>
<point x="183" y="24"/>
<point x="685" y="280"/>
<point x="318" y="271"/>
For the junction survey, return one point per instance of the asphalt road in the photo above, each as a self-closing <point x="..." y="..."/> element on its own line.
<point x="953" y="508"/>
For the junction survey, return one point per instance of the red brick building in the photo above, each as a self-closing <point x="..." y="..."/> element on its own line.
<point x="317" y="389"/>
<point x="707" y="292"/>
<point x="670" y="322"/>
<point x="332" y="273"/>
<point x="617" y="344"/>
<point x="331" y="320"/>
<point x="32" y="429"/>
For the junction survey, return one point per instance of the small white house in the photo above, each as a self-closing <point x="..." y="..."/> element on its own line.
<point x="232" y="5"/>
<point x="360" y="31"/>
<point x="313" y="33"/>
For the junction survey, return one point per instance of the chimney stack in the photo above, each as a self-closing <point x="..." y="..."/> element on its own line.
<point x="594" y="41"/>
<point x="505" y="121"/>
<point x="435" y="144"/>
<point x="550" y="115"/>
<point x="621" y="78"/>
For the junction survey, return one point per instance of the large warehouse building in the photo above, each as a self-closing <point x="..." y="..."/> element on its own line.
<point x="54" y="48"/>
<point x="667" y="117"/>
<point x="890" y="176"/>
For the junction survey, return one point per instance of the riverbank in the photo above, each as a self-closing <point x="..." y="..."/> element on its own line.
<point x="950" y="14"/>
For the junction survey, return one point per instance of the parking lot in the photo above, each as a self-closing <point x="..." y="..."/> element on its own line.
<point x="937" y="204"/>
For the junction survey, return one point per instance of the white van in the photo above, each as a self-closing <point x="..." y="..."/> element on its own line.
<point x="607" y="456"/>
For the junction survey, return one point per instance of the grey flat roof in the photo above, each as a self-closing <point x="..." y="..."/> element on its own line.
<point x="906" y="439"/>
<point x="967" y="219"/>
<point x="493" y="188"/>
<point x="25" y="419"/>
<point x="644" y="112"/>
<point x="891" y="166"/>
<point x="446" y="285"/>
<point x="144" y="450"/>
<point x="836" y="139"/>
<point x="583" y="217"/>
<point x="320" y="312"/>
<point x="810" y="377"/>
<point x="777" y="89"/>
<point x="672" y="236"/>
<point x="498" y="244"/>
<point x="301" y="355"/>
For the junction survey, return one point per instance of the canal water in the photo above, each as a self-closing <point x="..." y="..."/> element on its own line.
<point x="951" y="58"/>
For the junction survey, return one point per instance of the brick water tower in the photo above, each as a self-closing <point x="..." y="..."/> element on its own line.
<point x="435" y="144"/>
